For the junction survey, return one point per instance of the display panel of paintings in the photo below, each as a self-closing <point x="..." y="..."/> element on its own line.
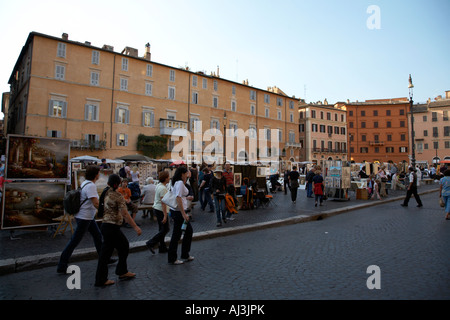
<point x="101" y="183"/>
<point x="237" y="179"/>
<point x="37" y="158"/>
<point x="32" y="204"/>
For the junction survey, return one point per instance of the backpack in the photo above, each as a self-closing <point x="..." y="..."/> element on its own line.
<point x="135" y="190"/>
<point x="71" y="201"/>
<point x="122" y="172"/>
<point x="101" y="203"/>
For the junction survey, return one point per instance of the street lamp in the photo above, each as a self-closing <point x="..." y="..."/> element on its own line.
<point x="413" y="146"/>
<point x="224" y="136"/>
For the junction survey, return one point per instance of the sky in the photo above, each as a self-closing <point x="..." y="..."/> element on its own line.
<point x="310" y="49"/>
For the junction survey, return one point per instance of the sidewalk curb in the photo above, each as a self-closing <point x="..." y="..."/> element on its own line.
<point x="13" y="265"/>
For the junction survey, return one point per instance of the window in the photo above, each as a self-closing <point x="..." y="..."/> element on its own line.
<point x="301" y="127"/>
<point x="91" y="112"/>
<point x="215" y="101"/>
<point x="445" y="115"/>
<point x="389" y="137"/>
<point x="124" y="64"/>
<point x="148" y="89"/>
<point x="424" y="118"/>
<point x="149" y="71"/>
<point x="215" y="85"/>
<point x="375" y="113"/>
<point x="53" y="134"/>
<point x="122" y="115"/>
<point x="313" y="114"/>
<point x="172" y="76"/>
<point x="388" y="112"/>
<point x="95" y="59"/>
<point x="388" y="124"/>
<point x="148" y="118"/>
<point x="350" y="124"/>
<point x="363" y="137"/>
<point x="233" y="105"/>
<point x="446" y="131"/>
<point x="403" y="149"/>
<point x="252" y="109"/>
<point x="435" y="132"/>
<point x="328" y="116"/>
<point x="195" y="124"/>
<point x="195" y="97"/>
<point x="402" y="137"/>
<point x="215" y="126"/>
<point x="322" y="128"/>
<point x="425" y="133"/>
<point x="291" y="136"/>
<point x="205" y="83"/>
<point x="291" y="104"/>
<point x="364" y="150"/>
<point x="171" y="94"/>
<point x="363" y="113"/>
<point x="61" y="51"/>
<point x="95" y="78"/>
<point x="266" y="98"/>
<point x="267" y="112"/>
<point x="57" y="109"/>
<point x="252" y="95"/>
<point x="389" y="149"/>
<point x="363" y="124"/>
<point x="233" y="90"/>
<point x="402" y="123"/>
<point x="402" y="112"/>
<point x="122" y="139"/>
<point x="123" y="84"/>
<point x="291" y="117"/>
<point x="194" y="81"/>
<point x="314" y="127"/>
<point x="434" y="116"/>
<point x="375" y="124"/>
<point x="60" y="72"/>
<point x="278" y="114"/>
<point x="280" y="102"/>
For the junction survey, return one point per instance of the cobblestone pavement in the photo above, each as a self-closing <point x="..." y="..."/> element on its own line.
<point x="325" y="259"/>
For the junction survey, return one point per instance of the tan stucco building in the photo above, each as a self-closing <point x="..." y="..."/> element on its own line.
<point x="102" y="100"/>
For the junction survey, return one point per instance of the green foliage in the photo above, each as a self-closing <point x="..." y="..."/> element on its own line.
<point x="152" y="146"/>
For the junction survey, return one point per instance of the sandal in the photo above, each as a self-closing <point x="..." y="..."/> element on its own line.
<point x="107" y="283"/>
<point x="128" y="275"/>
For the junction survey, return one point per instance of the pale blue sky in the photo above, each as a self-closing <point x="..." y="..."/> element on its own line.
<point x="323" y="46"/>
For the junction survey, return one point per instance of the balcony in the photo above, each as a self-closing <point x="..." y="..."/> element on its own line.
<point x="86" y="144"/>
<point x="293" y="145"/>
<point x="168" y="127"/>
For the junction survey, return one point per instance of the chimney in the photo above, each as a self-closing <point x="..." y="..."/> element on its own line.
<point x="148" y="55"/>
<point x="65" y="36"/>
<point x="447" y="94"/>
<point x="218" y="76"/>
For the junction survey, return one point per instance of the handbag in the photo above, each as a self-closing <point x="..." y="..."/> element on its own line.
<point x="170" y="199"/>
<point x="441" y="202"/>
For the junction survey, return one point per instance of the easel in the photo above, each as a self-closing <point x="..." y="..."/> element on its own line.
<point x="65" y="221"/>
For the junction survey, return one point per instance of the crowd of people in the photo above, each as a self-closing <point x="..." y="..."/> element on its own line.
<point x="213" y="187"/>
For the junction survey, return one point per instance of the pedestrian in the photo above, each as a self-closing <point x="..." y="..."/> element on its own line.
<point x="194" y="180"/>
<point x="115" y="211"/>
<point x="309" y="182"/>
<point x="205" y="190"/>
<point x="84" y="218"/>
<point x="148" y="195"/>
<point x="218" y="187"/>
<point x="317" y="184"/>
<point x="161" y="212"/>
<point x="293" y="181"/>
<point x="180" y="217"/>
<point x="286" y="181"/>
<point x="382" y="176"/>
<point x="412" y="189"/>
<point x="126" y="193"/>
<point x="444" y="192"/>
<point x="376" y="189"/>
<point x="104" y="165"/>
<point x="134" y="174"/>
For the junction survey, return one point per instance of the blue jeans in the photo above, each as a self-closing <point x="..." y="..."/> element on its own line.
<point x="207" y="199"/>
<point x="309" y="192"/>
<point x="82" y="227"/>
<point x="447" y="203"/>
<point x="220" y="206"/>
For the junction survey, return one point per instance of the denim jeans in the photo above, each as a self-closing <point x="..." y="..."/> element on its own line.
<point x="447" y="203"/>
<point x="220" y="207"/>
<point x="163" y="230"/>
<point x="207" y="199"/>
<point x="309" y="191"/>
<point x="82" y="227"/>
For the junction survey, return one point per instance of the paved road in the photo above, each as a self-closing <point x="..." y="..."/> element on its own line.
<point x="326" y="259"/>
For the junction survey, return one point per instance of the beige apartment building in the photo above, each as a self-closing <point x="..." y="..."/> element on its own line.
<point x="323" y="132"/>
<point x="102" y="100"/>
<point x="432" y="130"/>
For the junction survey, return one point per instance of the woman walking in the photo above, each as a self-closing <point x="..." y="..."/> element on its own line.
<point x="317" y="184"/>
<point x="180" y="218"/>
<point x="114" y="213"/>
<point x="444" y="192"/>
<point x="160" y="210"/>
<point x="218" y="186"/>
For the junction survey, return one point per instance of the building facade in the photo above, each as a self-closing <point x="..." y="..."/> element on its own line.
<point x="323" y="132"/>
<point x="432" y="131"/>
<point x="103" y="100"/>
<point x="379" y="130"/>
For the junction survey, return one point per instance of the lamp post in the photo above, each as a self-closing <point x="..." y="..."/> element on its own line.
<point x="413" y="145"/>
<point x="224" y="136"/>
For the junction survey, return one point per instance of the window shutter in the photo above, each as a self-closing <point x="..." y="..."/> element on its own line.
<point x="152" y="119"/>
<point x="127" y="116"/>
<point x="126" y="140"/>
<point x="118" y="139"/>
<point x="50" y="108"/>
<point x="86" y="112"/>
<point x="64" y="109"/>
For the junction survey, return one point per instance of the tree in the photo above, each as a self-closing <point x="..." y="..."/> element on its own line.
<point x="152" y="146"/>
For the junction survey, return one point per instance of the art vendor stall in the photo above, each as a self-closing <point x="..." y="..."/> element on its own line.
<point x="36" y="174"/>
<point x="337" y="180"/>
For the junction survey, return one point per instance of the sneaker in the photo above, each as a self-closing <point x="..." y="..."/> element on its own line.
<point x="176" y="262"/>
<point x="189" y="259"/>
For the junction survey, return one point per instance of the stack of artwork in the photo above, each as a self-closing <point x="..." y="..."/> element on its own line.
<point x="37" y="170"/>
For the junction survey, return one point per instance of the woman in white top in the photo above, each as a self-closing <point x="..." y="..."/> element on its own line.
<point x="179" y="217"/>
<point x="134" y="173"/>
<point x="160" y="210"/>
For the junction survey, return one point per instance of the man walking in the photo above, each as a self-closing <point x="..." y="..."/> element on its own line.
<point x="412" y="189"/>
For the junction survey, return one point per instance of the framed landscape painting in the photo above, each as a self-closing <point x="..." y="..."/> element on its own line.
<point x="31" y="204"/>
<point x="37" y="158"/>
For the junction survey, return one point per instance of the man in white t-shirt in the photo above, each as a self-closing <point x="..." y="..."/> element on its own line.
<point x="85" y="218"/>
